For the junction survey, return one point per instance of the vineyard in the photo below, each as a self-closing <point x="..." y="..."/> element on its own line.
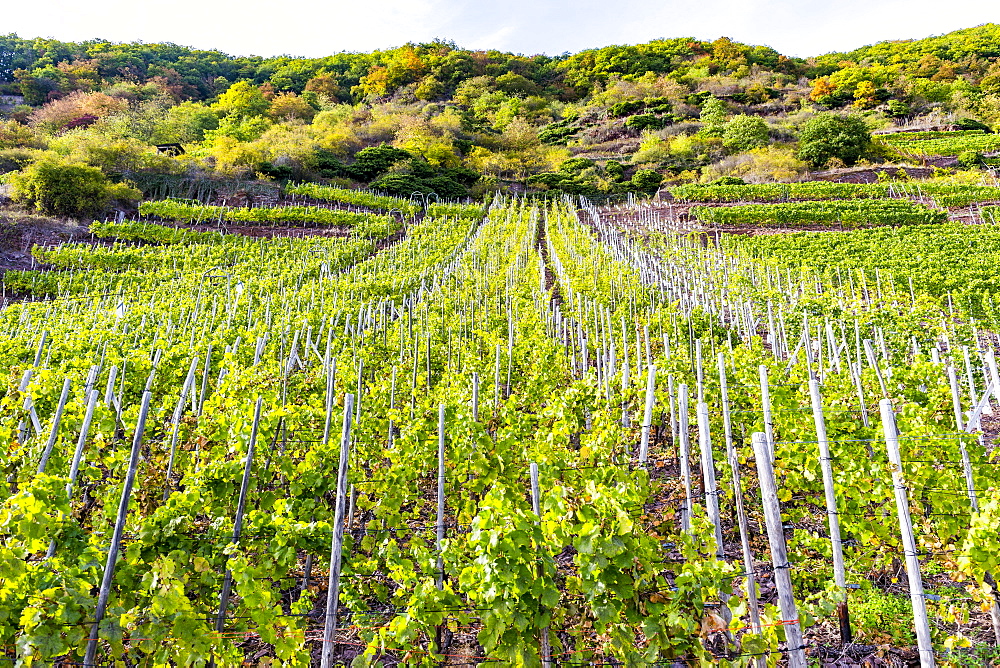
<point x="942" y="194"/>
<point x="514" y="435"/>
<point x="858" y="213"/>
<point x="943" y="143"/>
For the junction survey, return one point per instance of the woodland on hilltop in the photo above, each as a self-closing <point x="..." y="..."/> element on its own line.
<point x="435" y="118"/>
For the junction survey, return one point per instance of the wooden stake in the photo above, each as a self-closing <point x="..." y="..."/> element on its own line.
<point x="546" y="650"/>
<point x="337" y="547"/>
<point x="709" y="486"/>
<point x="779" y="552"/>
<point x="116" y="537"/>
<point x="220" y="620"/>
<point x="909" y="544"/>
<point x="54" y="434"/>
<point x="839" y="575"/>
<point x="741" y="517"/>
<point x="647" y="419"/>
<point x="685" y="458"/>
<point x="765" y="401"/>
<point x="439" y="543"/>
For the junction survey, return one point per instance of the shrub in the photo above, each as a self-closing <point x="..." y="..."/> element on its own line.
<point x="57" y="187"/>
<point x="557" y="133"/>
<point x="713" y="116"/>
<point x="970" y="159"/>
<point x="615" y="169"/>
<point x="625" y="108"/>
<point x="576" y="165"/>
<point x="744" y="133"/>
<point x="828" y="136"/>
<point x="12" y="159"/>
<point x="647" y="180"/>
<point x="375" y="161"/>
<point x="644" y="121"/>
<point x="898" y="109"/>
<point x="972" y="124"/>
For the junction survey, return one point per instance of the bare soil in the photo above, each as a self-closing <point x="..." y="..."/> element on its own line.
<point x="20" y="230"/>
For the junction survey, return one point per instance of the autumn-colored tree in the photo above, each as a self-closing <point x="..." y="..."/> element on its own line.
<point x="991" y="82"/>
<point x="80" y="75"/>
<point x="946" y="72"/>
<point x="822" y="89"/>
<point x="757" y="93"/>
<point x="268" y="90"/>
<point x="73" y="108"/>
<point x="928" y="65"/>
<point x="864" y="95"/>
<point x="376" y="82"/>
<point x="728" y="54"/>
<point x="402" y="66"/>
<point x="325" y="85"/>
<point x="287" y="106"/>
<point x="429" y="88"/>
<point x="171" y="83"/>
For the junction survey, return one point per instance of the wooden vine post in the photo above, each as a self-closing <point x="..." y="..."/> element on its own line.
<point x="741" y="517"/>
<point x="227" y="582"/>
<point x="909" y="544"/>
<point x="337" y="547"/>
<point x="647" y="419"/>
<point x="779" y="552"/>
<point x="116" y="538"/>
<point x="544" y="646"/>
<point x="839" y="574"/>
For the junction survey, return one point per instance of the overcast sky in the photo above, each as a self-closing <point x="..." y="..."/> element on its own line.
<point x="303" y="28"/>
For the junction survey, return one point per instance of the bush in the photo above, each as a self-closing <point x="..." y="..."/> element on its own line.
<point x="972" y="124"/>
<point x="744" y="133"/>
<point x="898" y="109"/>
<point x="970" y="159"/>
<point x="827" y="136"/>
<point x="646" y="180"/>
<point x="404" y="185"/>
<point x="61" y="188"/>
<point x="557" y="133"/>
<point x="576" y="165"/>
<point x="713" y="116"/>
<point x="374" y="161"/>
<point x="625" y="108"/>
<point x="644" y="121"/>
<point x="615" y="169"/>
<point x="564" y="182"/>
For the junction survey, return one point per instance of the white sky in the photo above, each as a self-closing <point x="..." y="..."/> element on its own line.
<point x="303" y="28"/>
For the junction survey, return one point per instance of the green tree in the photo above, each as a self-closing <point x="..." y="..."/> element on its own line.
<point x="429" y="88"/>
<point x="375" y="161"/>
<point x="713" y="116"/>
<point x="744" y="133"/>
<point x="186" y="123"/>
<point x="57" y="187"/>
<point x="647" y="180"/>
<point x="831" y="135"/>
<point x="615" y="169"/>
<point x="242" y="100"/>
